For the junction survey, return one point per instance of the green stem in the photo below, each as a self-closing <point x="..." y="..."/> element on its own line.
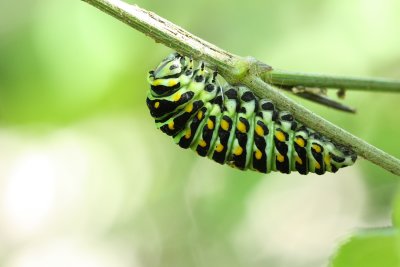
<point x="288" y="78"/>
<point x="237" y="69"/>
<point x="171" y="35"/>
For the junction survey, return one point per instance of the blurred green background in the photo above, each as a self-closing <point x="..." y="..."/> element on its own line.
<point x="87" y="180"/>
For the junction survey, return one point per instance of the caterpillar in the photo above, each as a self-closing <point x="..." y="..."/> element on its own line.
<point x="231" y="125"/>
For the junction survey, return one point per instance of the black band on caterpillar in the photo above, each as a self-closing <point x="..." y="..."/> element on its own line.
<point x="231" y="125"/>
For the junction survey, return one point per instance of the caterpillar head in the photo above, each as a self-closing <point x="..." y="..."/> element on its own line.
<point x="169" y="75"/>
<point x="171" y="67"/>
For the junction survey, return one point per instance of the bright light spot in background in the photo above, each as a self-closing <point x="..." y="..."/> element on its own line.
<point x="74" y="252"/>
<point x="81" y="180"/>
<point x="29" y="192"/>
<point x="40" y="176"/>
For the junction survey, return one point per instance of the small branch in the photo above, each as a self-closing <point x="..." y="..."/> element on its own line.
<point x="288" y="78"/>
<point x="320" y="99"/>
<point x="236" y="69"/>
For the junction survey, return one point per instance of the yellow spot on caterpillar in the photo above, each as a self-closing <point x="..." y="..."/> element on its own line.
<point x="327" y="159"/>
<point x="176" y="97"/>
<point x="172" y="83"/>
<point x="280" y="136"/>
<point x="258" y="154"/>
<point x="317" y="165"/>
<point x="210" y="124"/>
<point x="171" y="125"/>
<point x="157" y="104"/>
<point x="280" y="158"/>
<point x="157" y="82"/>
<point x="241" y="127"/>
<point x="259" y="130"/>
<point x="189" y="108"/>
<point x="300" y="142"/>
<point x="202" y="143"/>
<point x="188" y="133"/>
<point x="317" y="148"/>
<point x="238" y="151"/>
<point x="219" y="148"/>
<point x="200" y="115"/>
<point x="225" y="125"/>
<point x="299" y="161"/>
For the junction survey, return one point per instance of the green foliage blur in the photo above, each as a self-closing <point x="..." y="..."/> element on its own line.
<point x="370" y="249"/>
<point x="87" y="180"/>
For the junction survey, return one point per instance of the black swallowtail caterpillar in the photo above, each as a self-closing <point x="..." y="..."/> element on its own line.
<point x="231" y="125"/>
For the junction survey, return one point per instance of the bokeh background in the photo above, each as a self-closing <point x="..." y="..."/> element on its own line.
<point x="87" y="180"/>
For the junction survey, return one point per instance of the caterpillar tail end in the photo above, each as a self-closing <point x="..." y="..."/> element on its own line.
<point x="343" y="156"/>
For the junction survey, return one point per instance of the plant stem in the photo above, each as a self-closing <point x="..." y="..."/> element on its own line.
<point x="169" y="34"/>
<point x="237" y="69"/>
<point x="288" y="78"/>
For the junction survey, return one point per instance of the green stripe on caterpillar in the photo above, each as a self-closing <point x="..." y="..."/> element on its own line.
<point x="231" y="125"/>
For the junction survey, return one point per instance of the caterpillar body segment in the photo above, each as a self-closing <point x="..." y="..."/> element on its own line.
<point x="232" y="126"/>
